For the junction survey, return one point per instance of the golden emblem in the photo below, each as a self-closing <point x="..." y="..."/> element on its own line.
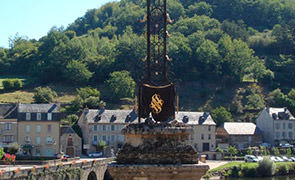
<point x="156" y="103"/>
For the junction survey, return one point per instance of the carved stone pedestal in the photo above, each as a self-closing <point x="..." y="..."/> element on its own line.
<point x="157" y="171"/>
<point x="157" y="151"/>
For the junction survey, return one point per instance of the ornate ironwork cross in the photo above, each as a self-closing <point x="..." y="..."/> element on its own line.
<point x="157" y="94"/>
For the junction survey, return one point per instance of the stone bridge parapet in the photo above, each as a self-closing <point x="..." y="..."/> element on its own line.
<point x="88" y="169"/>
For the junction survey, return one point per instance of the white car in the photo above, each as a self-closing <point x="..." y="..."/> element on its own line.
<point x="279" y="159"/>
<point x="273" y="158"/>
<point x="250" y="158"/>
<point x="286" y="159"/>
<point x="260" y="158"/>
<point x="286" y="145"/>
<point x="95" y="154"/>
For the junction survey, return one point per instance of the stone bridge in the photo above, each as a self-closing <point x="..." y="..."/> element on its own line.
<point x="87" y="169"/>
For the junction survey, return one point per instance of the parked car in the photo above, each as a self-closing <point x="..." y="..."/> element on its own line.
<point x="279" y="159"/>
<point x="95" y="154"/>
<point x="273" y="158"/>
<point x="286" y="159"/>
<point x="286" y="145"/>
<point x="250" y="158"/>
<point x="292" y="158"/>
<point x="259" y="158"/>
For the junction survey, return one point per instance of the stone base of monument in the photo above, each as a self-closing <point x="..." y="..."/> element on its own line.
<point x="157" y="151"/>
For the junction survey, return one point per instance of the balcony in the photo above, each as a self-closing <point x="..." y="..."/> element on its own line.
<point x="50" y="142"/>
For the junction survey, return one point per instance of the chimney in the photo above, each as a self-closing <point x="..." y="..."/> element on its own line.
<point x="86" y="110"/>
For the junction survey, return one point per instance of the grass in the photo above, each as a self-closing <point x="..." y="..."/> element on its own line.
<point x="16" y="96"/>
<point x="232" y="164"/>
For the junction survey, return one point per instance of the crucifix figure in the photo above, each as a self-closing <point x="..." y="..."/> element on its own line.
<point x="156" y="95"/>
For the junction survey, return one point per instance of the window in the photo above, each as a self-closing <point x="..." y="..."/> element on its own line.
<point x="283" y="134"/>
<point x="290" y="125"/>
<point x="112" y="138"/>
<point x="277" y="135"/>
<point x="38" y="140"/>
<point x="7" y="139"/>
<point x="38" y="116"/>
<point x="38" y="129"/>
<point x="49" y="116"/>
<point x="27" y="139"/>
<point x="202" y="136"/>
<point x="290" y="135"/>
<point x="49" y="128"/>
<point x="112" y="127"/>
<point x="284" y="126"/>
<point x="27" y="128"/>
<point x="70" y="141"/>
<point x="277" y="125"/>
<point x="94" y="138"/>
<point x="104" y="127"/>
<point x="95" y="128"/>
<point x="38" y="152"/>
<point x="209" y="128"/>
<point x="28" y="116"/>
<point x="104" y="138"/>
<point x="209" y="136"/>
<point x="121" y="137"/>
<point x="8" y="126"/>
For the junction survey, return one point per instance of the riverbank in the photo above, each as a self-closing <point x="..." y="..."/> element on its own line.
<point x="251" y="170"/>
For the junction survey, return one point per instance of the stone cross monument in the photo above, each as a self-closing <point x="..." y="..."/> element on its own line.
<point x="158" y="148"/>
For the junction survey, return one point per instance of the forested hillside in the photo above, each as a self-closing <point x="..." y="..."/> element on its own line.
<point x="230" y="57"/>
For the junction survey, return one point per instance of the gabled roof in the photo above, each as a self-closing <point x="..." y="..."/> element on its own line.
<point x="241" y="128"/>
<point x="38" y="108"/>
<point x="114" y="116"/>
<point x="129" y="116"/>
<point x="67" y="130"/>
<point x="194" y="118"/>
<point x="280" y="113"/>
<point x="8" y="111"/>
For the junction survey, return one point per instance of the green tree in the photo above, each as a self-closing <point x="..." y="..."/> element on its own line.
<point x="77" y="72"/>
<point x="232" y="151"/>
<point x="276" y="98"/>
<point x="199" y="8"/>
<point x="276" y="151"/>
<point x="44" y="95"/>
<point x="249" y="151"/>
<point x="289" y="152"/>
<point x="221" y="115"/>
<point x="101" y="146"/>
<point x="266" y="167"/>
<point x="121" y="84"/>
<point x="70" y="119"/>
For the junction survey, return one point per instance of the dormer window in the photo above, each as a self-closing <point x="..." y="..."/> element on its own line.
<point x="38" y="116"/>
<point x="113" y="118"/>
<point x="28" y="116"/>
<point x="49" y="116"/>
<point x="185" y="119"/>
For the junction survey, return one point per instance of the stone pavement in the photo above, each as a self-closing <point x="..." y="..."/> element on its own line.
<point x="214" y="164"/>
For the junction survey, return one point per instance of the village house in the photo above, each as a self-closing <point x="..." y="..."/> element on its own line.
<point x="8" y="125"/>
<point x="277" y="125"/>
<point x="70" y="142"/>
<point x="239" y="134"/>
<point x="39" y="129"/>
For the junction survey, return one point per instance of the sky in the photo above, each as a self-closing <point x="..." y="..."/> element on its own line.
<point x="34" y="18"/>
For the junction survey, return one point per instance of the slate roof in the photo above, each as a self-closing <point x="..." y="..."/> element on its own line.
<point x="280" y="113"/>
<point x="241" y="128"/>
<point x="107" y="116"/>
<point x="38" y="108"/>
<point x="194" y="118"/>
<point x="67" y="130"/>
<point x="8" y="111"/>
<point x="129" y="116"/>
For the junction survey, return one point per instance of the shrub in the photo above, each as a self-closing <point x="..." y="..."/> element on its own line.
<point x="248" y="171"/>
<point x="282" y="170"/>
<point x="12" y="84"/>
<point x="266" y="167"/>
<point x="44" y="95"/>
<point x="13" y="148"/>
